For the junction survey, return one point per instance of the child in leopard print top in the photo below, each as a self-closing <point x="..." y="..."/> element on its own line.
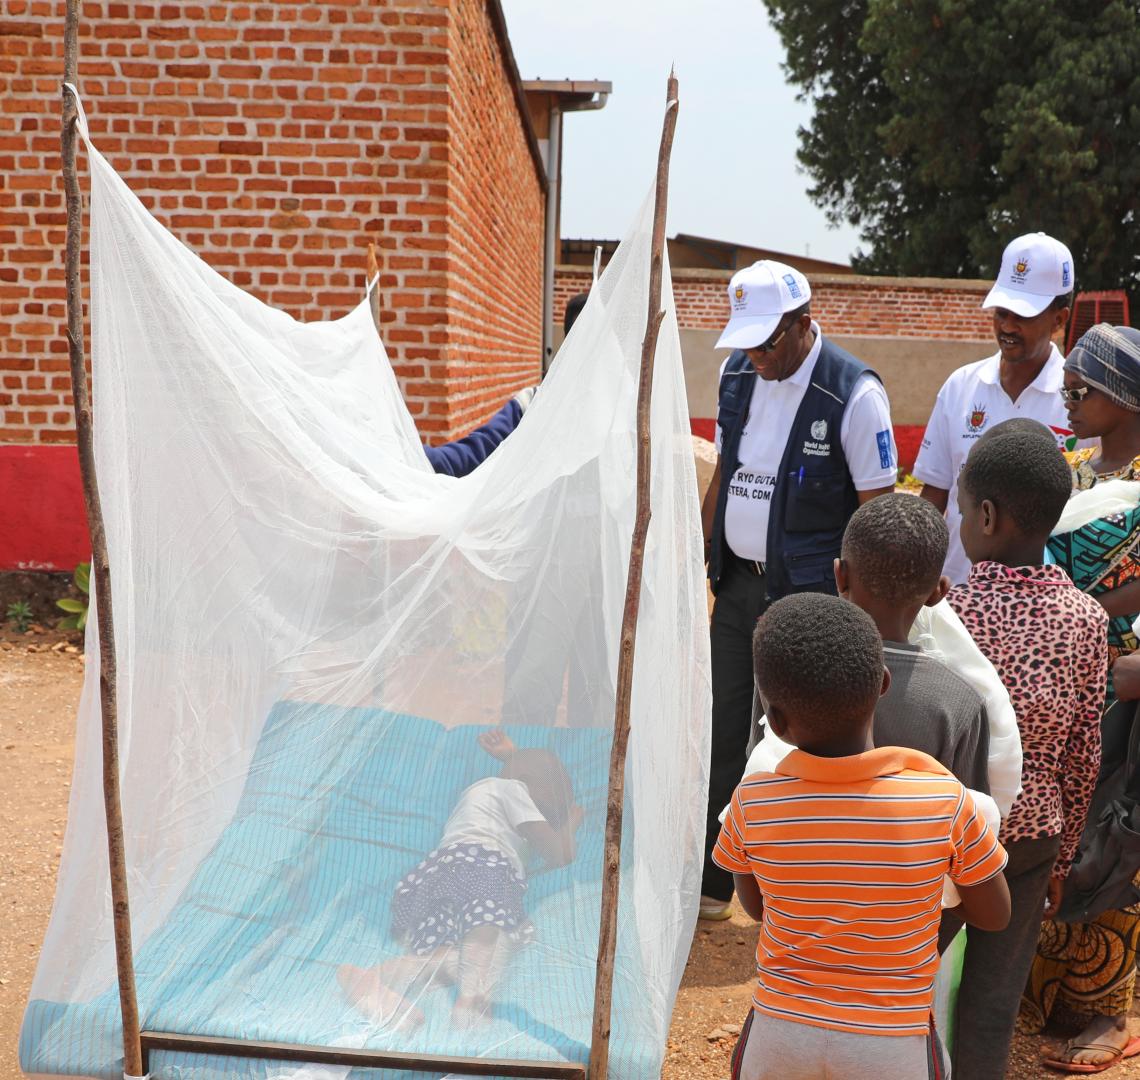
<point x="1048" y="642"/>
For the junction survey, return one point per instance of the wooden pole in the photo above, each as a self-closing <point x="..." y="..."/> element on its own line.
<point x="374" y="295"/>
<point x="100" y="571"/>
<point x="611" y="866"/>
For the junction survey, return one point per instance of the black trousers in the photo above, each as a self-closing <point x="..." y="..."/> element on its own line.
<point x="741" y="599"/>
<point x="997" y="964"/>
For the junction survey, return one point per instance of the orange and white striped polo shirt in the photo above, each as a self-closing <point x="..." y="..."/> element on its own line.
<point x="849" y="854"/>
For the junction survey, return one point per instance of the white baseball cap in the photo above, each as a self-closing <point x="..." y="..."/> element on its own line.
<point x="1035" y="270"/>
<point x="759" y="296"/>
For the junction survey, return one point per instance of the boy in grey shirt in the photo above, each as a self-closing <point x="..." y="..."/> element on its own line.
<point x="929" y="708"/>
<point x="891" y="567"/>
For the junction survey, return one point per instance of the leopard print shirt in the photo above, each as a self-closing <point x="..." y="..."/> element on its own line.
<point x="1048" y="642"/>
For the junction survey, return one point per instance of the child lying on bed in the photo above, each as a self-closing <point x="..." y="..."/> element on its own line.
<point x="460" y="912"/>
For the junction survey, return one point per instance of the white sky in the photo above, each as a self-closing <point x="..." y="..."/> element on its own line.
<point x="734" y="174"/>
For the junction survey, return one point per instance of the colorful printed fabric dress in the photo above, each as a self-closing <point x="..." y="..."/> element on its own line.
<point x="1089" y="969"/>
<point x="1101" y="556"/>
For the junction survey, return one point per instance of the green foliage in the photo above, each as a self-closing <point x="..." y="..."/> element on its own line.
<point x="76" y="619"/>
<point x="19" y="614"/>
<point x="907" y="481"/>
<point x="944" y="128"/>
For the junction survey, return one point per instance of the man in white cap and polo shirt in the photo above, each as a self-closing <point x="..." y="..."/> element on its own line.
<point x="1030" y="302"/>
<point x="803" y="436"/>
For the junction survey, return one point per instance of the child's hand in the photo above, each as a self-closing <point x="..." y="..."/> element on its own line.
<point x="1053" y="894"/>
<point x="497" y="743"/>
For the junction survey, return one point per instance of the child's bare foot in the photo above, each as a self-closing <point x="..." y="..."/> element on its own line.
<point x="470" y="1012"/>
<point x="364" y="989"/>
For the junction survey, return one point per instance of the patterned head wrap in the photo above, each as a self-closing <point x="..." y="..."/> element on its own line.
<point x="1108" y="358"/>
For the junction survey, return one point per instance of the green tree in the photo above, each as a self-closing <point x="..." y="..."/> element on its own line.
<point x="944" y="128"/>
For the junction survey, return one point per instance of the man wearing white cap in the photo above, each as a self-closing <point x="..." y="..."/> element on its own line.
<point x="1030" y="301"/>
<point x="803" y="436"/>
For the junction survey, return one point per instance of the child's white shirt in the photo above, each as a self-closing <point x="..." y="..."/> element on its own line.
<point x="489" y="813"/>
<point x="939" y="633"/>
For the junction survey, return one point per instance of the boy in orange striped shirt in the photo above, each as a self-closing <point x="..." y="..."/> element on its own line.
<point x="841" y="855"/>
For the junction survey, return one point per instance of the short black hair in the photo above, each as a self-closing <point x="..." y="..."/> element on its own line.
<point x="819" y="659"/>
<point x="573" y="309"/>
<point x="897" y="544"/>
<point x="798" y="313"/>
<point x="1022" y="424"/>
<point x="1065" y="300"/>
<point x="1023" y="476"/>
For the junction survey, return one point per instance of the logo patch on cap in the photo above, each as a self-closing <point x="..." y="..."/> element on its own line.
<point x="1020" y="268"/>
<point x="1066" y="275"/>
<point x="739" y="292"/>
<point x="793" y="288"/>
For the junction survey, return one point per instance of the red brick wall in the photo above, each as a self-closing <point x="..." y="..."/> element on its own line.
<point x="928" y="308"/>
<point x="277" y="139"/>
<point x="496" y="209"/>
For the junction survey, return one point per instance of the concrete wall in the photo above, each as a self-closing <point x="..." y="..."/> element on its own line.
<point x="912" y="369"/>
<point x="912" y="331"/>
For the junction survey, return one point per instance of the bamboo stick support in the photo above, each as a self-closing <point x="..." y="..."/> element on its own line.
<point x="100" y="570"/>
<point x="611" y="867"/>
<point x="374" y="295"/>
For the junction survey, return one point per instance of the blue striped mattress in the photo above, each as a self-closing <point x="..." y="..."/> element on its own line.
<point x="338" y="804"/>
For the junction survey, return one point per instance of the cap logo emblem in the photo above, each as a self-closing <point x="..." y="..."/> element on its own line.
<point x="1066" y="275"/>
<point x="739" y="292"/>
<point x="1021" y="266"/>
<point x="1020" y="269"/>
<point x="793" y="288"/>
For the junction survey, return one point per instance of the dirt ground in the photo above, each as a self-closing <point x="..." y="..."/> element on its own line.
<point x="39" y="692"/>
<point x="38" y="696"/>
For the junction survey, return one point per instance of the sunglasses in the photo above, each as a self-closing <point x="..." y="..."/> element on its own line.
<point x="772" y="342"/>
<point x="1073" y="396"/>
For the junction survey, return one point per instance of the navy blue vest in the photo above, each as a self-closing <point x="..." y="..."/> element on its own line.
<point x="814" y="496"/>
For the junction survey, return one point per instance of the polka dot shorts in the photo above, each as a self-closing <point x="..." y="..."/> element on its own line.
<point x="453" y="891"/>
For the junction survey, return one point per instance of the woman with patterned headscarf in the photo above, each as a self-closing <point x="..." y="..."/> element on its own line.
<point x="1102" y="398"/>
<point x="1087" y="970"/>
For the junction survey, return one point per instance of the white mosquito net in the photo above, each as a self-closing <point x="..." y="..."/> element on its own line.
<point x="314" y="631"/>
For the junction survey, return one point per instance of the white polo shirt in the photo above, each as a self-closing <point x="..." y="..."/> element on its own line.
<point x="971" y="402"/>
<point x="866" y="436"/>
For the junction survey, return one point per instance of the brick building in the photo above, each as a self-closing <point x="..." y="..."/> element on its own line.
<point x="277" y="139"/>
<point x="688" y="252"/>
